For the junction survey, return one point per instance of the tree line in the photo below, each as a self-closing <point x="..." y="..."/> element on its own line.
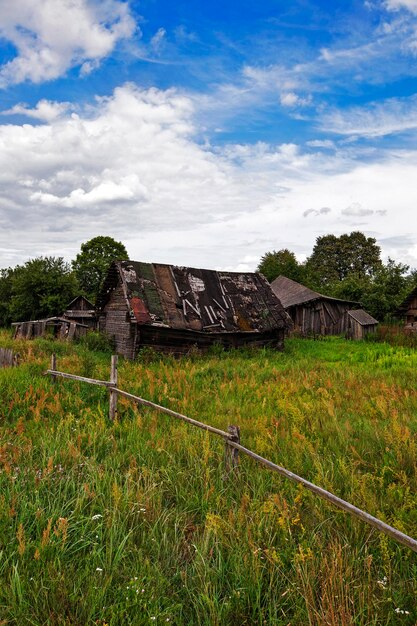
<point x="44" y="286"/>
<point x="348" y="267"/>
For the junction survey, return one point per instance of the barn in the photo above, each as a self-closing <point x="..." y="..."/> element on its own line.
<point x="408" y="311"/>
<point x="312" y="313"/>
<point x="174" y="308"/>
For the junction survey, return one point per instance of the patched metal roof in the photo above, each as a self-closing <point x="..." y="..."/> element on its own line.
<point x="196" y="299"/>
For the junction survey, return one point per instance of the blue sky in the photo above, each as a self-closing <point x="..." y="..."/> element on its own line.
<point x="207" y="133"/>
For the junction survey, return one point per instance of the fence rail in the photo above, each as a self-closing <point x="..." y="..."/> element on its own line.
<point x="233" y="447"/>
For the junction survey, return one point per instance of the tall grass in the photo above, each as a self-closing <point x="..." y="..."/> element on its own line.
<point x="132" y="522"/>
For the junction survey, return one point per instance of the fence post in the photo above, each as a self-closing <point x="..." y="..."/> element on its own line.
<point x="113" y="394"/>
<point x="53" y="367"/>
<point x="231" y="456"/>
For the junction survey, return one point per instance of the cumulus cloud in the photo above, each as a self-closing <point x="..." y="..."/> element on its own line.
<point x="356" y="210"/>
<point x="323" y="211"/>
<point x="291" y="99"/>
<point x="45" y="110"/>
<point x="132" y="167"/>
<point x="51" y="36"/>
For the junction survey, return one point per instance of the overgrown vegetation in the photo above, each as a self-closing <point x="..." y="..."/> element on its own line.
<point x="347" y="267"/>
<point x="132" y="522"/>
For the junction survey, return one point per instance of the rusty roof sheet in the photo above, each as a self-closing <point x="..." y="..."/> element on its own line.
<point x="362" y="317"/>
<point x="292" y="293"/>
<point x="196" y="299"/>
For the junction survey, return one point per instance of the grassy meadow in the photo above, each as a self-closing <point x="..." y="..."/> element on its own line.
<point x="132" y="522"/>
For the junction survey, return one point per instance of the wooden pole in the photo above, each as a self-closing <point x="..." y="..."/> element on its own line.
<point x="53" y="367"/>
<point x="231" y="455"/>
<point x="113" y="392"/>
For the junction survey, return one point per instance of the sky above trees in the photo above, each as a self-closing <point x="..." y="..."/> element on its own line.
<point x="207" y="133"/>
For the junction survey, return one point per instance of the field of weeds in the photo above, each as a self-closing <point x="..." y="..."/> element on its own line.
<point x="132" y="522"/>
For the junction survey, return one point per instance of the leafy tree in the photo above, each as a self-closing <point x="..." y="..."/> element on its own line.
<point x="335" y="258"/>
<point x="92" y="263"/>
<point x="40" y="288"/>
<point x="6" y="281"/>
<point x="282" y="262"/>
<point x="391" y="284"/>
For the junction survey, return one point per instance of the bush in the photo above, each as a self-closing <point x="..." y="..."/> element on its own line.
<point x="98" y="342"/>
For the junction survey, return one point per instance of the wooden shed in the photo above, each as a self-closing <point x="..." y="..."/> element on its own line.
<point x="54" y="327"/>
<point x="408" y="311"/>
<point x="311" y="312"/>
<point x="359" y="323"/>
<point x="175" y="308"/>
<point x="81" y="310"/>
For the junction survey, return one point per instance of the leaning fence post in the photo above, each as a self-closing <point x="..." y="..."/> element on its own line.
<point x="231" y="454"/>
<point x="113" y="394"/>
<point x="53" y="367"/>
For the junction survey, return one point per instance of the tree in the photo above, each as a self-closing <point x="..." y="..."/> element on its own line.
<point x="6" y="281"/>
<point x="336" y="258"/>
<point x="40" y="288"/>
<point x="282" y="262"/>
<point x="92" y="263"/>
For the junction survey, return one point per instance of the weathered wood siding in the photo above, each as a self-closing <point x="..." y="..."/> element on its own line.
<point x="357" y="331"/>
<point x="116" y="322"/>
<point x="7" y="357"/>
<point x="320" y="317"/>
<point x="179" y="341"/>
<point x="411" y="315"/>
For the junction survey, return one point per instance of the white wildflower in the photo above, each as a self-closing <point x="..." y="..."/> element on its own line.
<point x="99" y="569"/>
<point x="97" y="516"/>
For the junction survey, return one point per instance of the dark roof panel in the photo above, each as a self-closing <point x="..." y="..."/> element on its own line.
<point x="292" y="293"/>
<point x="197" y="299"/>
<point x="362" y="317"/>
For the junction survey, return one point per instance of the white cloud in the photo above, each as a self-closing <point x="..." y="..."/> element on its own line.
<point x="315" y="212"/>
<point x="356" y="210"/>
<point x="158" y="39"/>
<point x="394" y="115"/>
<point x="45" y="110"/>
<point x="395" y="5"/>
<point x="132" y="168"/>
<point x="291" y="99"/>
<point x="51" y="36"/>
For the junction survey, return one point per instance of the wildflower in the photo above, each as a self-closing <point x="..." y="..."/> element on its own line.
<point x="383" y="582"/>
<point x="402" y="611"/>
<point x="97" y="516"/>
<point x="99" y="569"/>
<point x="153" y="618"/>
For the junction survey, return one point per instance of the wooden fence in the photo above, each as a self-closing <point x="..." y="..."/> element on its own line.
<point x="8" y="358"/>
<point x="232" y="449"/>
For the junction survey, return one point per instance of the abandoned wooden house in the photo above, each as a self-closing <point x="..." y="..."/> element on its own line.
<point x="311" y="312"/>
<point x="359" y="324"/>
<point x="54" y="327"/>
<point x="75" y="322"/>
<point x="175" y="308"/>
<point x="81" y="310"/>
<point x="408" y="311"/>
